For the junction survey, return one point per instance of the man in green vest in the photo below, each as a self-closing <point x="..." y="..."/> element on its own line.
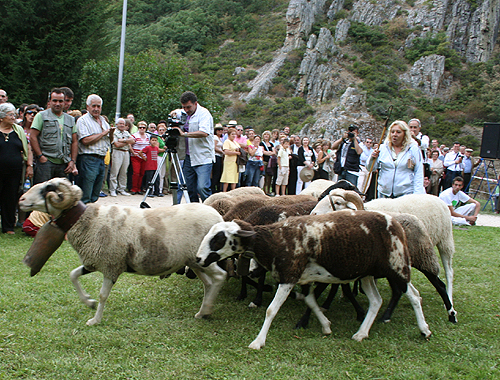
<point x="53" y="140"/>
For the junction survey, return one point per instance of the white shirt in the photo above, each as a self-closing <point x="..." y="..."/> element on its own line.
<point x="88" y="126"/>
<point x="449" y="161"/>
<point x="453" y="199"/>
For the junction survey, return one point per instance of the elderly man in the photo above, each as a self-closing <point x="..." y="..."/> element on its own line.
<point x="200" y="150"/>
<point x="54" y="140"/>
<point x="422" y="140"/>
<point x="120" y="159"/>
<point x="94" y="136"/>
<point x="3" y="96"/>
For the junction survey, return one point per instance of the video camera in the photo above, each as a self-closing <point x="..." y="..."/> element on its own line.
<point x="172" y="134"/>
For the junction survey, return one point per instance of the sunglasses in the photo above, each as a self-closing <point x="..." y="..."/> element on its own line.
<point x="142" y="127"/>
<point x="31" y="112"/>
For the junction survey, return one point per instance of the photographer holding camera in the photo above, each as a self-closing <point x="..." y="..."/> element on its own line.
<point x="348" y="154"/>
<point x="453" y="164"/>
<point x="200" y="151"/>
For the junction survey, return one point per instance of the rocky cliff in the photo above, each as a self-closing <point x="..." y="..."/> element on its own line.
<point x="472" y="30"/>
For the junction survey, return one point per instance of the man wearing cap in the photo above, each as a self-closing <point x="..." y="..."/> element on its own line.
<point x="422" y="140"/>
<point x="453" y="164"/>
<point x="348" y="155"/>
<point x="468" y="165"/>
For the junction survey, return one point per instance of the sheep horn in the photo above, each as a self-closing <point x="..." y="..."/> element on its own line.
<point x="353" y="197"/>
<point x="331" y="202"/>
<point x="65" y="197"/>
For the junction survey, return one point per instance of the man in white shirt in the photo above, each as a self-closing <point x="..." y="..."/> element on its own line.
<point x="422" y="140"/>
<point x="367" y="147"/>
<point x="453" y="164"/>
<point x="465" y="215"/>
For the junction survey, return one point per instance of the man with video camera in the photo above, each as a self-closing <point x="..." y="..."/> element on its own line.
<point x="348" y="154"/>
<point x="200" y="151"/>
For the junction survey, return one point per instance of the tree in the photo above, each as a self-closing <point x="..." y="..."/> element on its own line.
<point x="152" y="85"/>
<point x="45" y="44"/>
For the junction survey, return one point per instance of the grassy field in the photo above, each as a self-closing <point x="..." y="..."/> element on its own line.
<point x="149" y="330"/>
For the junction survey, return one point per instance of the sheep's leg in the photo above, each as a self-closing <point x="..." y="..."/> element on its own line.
<point x="257" y="302"/>
<point x="84" y="297"/>
<point x="313" y="305"/>
<point x="396" y="296"/>
<point x="441" y="289"/>
<point x="346" y="289"/>
<point x="447" y="259"/>
<point x="243" y="292"/>
<point x="371" y="291"/>
<point x="278" y="300"/>
<point x="107" y="284"/>
<point x="415" y="300"/>
<point x="304" y="320"/>
<point x="213" y="278"/>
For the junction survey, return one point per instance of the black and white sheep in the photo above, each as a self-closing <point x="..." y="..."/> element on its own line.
<point x="113" y="240"/>
<point x="429" y="209"/>
<point x="334" y="248"/>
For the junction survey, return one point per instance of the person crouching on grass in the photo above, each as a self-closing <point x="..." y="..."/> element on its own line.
<point x="150" y="155"/>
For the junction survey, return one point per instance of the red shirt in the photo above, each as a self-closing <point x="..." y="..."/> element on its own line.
<point x="151" y="157"/>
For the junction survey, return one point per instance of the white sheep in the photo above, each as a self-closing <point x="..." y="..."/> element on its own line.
<point x="113" y="240"/>
<point x="331" y="248"/>
<point x="431" y="211"/>
<point x="317" y="187"/>
<point x="240" y="191"/>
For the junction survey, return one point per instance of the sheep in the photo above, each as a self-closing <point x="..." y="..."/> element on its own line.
<point x="317" y="187"/>
<point x="333" y="248"/>
<point x="113" y="240"/>
<point x="433" y="213"/>
<point x="243" y="209"/>
<point x="223" y="205"/>
<point x="240" y="191"/>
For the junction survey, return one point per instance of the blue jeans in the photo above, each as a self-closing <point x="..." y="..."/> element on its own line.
<point x="253" y="173"/>
<point x="349" y="177"/>
<point x="197" y="180"/>
<point x="90" y="176"/>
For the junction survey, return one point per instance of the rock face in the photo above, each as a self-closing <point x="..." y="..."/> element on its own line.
<point x="351" y="110"/>
<point x="374" y="12"/>
<point x="427" y="74"/>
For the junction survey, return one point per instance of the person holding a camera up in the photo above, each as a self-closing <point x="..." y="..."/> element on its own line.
<point x="348" y="153"/>
<point x="453" y="164"/>
<point x="200" y="151"/>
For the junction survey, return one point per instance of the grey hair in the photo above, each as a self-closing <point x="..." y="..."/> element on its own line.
<point x="5" y="108"/>
<point x="120" y="119"/>
<point x="92" y="97"/>
<point x="417" y="120"/>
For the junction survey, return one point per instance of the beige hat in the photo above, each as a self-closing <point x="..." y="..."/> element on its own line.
<point x="232" y="123"/>
<point x="469" y="150"/>
<point x="306" y="174"/>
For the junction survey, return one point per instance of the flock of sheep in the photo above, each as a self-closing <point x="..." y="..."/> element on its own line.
<point x="325" y="235"/>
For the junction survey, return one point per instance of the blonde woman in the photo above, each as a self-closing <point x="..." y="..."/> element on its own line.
<point x="399" y="162"/>
<point x="230" y="168"/>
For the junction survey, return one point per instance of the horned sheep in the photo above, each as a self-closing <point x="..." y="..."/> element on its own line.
<point x="330" y="248"/>
<point x="429" y="209"/>
<point x="113" y="240"/>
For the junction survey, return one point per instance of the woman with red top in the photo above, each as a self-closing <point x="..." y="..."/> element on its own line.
<point x="141" y="141"/>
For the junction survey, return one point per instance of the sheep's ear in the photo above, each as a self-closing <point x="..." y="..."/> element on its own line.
<point x="244" y="233"/>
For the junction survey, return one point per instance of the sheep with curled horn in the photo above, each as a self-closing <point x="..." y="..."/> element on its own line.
<point x="113" y="239"/>
<point x="419" y="239"/>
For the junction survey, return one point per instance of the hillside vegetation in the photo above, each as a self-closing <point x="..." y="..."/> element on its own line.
<point x="176" y="45"/>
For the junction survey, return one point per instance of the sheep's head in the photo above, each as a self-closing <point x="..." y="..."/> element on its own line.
<point x="225" y="239"/>
<point x="52" y="196"/>
<point x="338" y="199"/>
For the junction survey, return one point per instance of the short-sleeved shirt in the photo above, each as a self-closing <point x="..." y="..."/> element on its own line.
<point x="151" y="157"/>
<point x="140" y="142"/>
<point x="88" y="126"/>
<point x="283" y="155"/>
<point x="121" y="135"/>
<point x="453" y="199"/>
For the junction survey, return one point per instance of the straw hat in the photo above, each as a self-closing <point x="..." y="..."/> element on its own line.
<point x="306" y="174"/>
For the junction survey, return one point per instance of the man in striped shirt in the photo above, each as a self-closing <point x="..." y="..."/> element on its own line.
<point x="94" y="136"/>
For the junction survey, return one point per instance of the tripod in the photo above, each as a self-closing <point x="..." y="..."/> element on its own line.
<point x="173" y="157"/>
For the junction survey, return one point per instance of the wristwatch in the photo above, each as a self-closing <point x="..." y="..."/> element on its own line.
<point x="40" y="155"/>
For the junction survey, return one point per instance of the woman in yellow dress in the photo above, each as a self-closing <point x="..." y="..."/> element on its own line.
<point x="231" y="152"/>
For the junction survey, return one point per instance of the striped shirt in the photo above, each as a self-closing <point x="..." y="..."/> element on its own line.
<point x="88" y="126"/>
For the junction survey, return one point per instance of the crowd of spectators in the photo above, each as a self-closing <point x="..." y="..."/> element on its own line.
<point x="85" y="147"/>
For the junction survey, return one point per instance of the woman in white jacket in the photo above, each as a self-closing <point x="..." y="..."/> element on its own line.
<point x="399" y="162"/>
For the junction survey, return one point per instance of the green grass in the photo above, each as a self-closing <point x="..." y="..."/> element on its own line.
<point x="149" y="330"/>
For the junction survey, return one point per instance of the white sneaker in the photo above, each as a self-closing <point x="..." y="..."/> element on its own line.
<point x="123" y="192"/>
<point x="112" y="193"/>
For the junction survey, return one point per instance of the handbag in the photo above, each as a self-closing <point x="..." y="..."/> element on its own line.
<point x="242" y="158"/>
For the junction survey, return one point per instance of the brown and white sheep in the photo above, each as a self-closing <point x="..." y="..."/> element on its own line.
<point x="334" y="248"/>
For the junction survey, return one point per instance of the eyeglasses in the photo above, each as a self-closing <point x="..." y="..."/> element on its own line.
<point x="31" y="112"/>
<point x="141" y="127"/>
<point x="241" y="130"/>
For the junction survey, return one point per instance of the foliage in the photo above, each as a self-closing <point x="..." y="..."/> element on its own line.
<point x="433" y="44"/>
<point x="46" y="43"/>
<point x="152" y="85"/>
<point x="149" y="332"/>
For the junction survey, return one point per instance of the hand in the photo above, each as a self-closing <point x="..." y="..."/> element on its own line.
<point x="375" y="153"/>
<point x="70" y="167"/>
<point x="29" y="172"/>
<point x="43" y="159"/>
<point x="471" y="219"/>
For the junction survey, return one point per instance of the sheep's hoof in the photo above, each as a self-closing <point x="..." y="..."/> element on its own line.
<point x="427" y="334"/>
<point x="453" y="317"/>
<point x="255" y="345"/>
<point x="202" y="316"/>
<point x="252" y="305"/>
<point x="327" y="330"/>
<point x="359" y="336"/>
<point x="93" y="321"/>
<point x="91" y="303"/>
